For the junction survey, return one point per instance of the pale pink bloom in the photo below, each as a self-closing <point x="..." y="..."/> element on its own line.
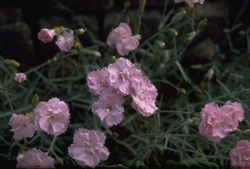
<point x="144" y="95"/>
<point x="236" y="112"/>
<point x="98" y="82"/>
<point x="123" y="39"/>
<point x="123" y="74"/>
<point x="22" y="126"/>
<point x="190" y="2"/>
<point x="35" y="159"/>
<point x="65" y="41"/>
<point x="240" y="155"/>
<point x="88" y="147"/>
<point x="46" y="35"/>
<point x="109" y="108"/>
<point x="20" y="77"/>
<point x="52" y="116"/>
<point x="216" y="122"/>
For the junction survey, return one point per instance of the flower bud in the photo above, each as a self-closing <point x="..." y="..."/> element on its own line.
<point x="128" y="100"/>
<point x="238" y="132"/>
<point x="53" y="61"/>
<point x="127" y="4"/>
<point x="160" y="44"/>
<point x="172" y="32"/>
<point x="77" y="46"/>
<point x="20" y="77"/>
<point x="58" y="30"/>
<point x="115" y="135"/>
<point x="113" y="60"/>
<point x="91" y="52"/>
<point x="183" y="91"/>
<point x="189" y="10"/>
<point x="202" y="23"/>
<point x="11" y="62"/>
<point x="180" y="15"/>
<point x="59" y="160"/>
<point x="142" y="4"/>
<point x="80" y="31"/>
<point x="97" y="54"/>
<point x="246" y="132"/>
<point x="35" y="100"/>
<point x="167" y="56"/>
<point x="127" y="20"/>
<point x="210" y="74"/>
<point x="187" y="40"/>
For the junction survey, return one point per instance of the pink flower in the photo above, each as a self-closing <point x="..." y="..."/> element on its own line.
<point x="190" y="2"/>
<point x="122" y="37"/>
<point x="144" y="95"/>
<point x="123" y="74"/>
<point x="109" y="108"/>
<point x="34" y="159"/>
<point x="20" y="77"/>
<point x="88" y="147"/>
<point x="240" y="155"/>
<point x="52" y="116"/>
<point x="22" y="126"/>
<point x="46" y="35"/>
<point x="216" y="122"/>
<point x="236" y="112"/>
<point x="65" y="41"/>
<point x="98" y="82"/>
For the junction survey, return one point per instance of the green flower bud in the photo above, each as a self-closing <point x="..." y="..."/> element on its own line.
<point x="80" y="31"/>
<point x="142" y="4"/>
<point x="180" y="15"/>
<point x="167" y="56"/>
<point x="53" y="61"/>
<point x="113" y="60"/>
<point x="183" y="91"/>
<point x="238" y="132"/>
<point x="127" y="20"/>
<point x="59" y="160"/>
<point x="115" y="135"/>
<point x="35" y="100"/>
<point x="189" y="10"/>
<point x="172" y="32"/>
<point x="246" y="132"/>
<point x="58" y="30"/>
<point x="202" y="23"/>
<point x="160" y="44"/>
<point x="11" y="62"/>
<point x="127" y="4"/>
<point x="91" y="52"/>
<point x="128" y="100"/>
<point x="187" y="40"/>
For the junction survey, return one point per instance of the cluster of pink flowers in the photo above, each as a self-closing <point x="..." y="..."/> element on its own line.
<point x="51" y="117"/>
<point x="218" y="121"/>
<point x="65" y="40"/>
<point x="190" y="2"/>
<point x="123" y="39"/>
<point x="240" y="155"/>
<point x="117" y="80"/>
<point x="88" y="147"/>
<point x="20" y="77"/>
<point x="35" y="159"/>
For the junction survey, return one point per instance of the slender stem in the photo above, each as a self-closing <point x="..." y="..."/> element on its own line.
<point x="52" y="144"/>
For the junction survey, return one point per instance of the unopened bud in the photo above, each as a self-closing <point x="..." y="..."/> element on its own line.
<point x="35" y="100"/>
<point x="183" y="91"/>
<point x="77" y="46"/>
<point x="142" y="5"/>
<point x="160" y="44"/>
<point x="172" y="32"/>
<point x="180" y="15"/>
<point x="189" y="10"/>
<point x="128" y="100"/>
<point x="91" y="52"/>
<point x="238" y="132"/>
<point x="11" y="62"/>
<point x="58" y="30"/>
<point x="160" y="150"/>
<point x="115" y="135"/>
<point x="113" y="60"/>
<point x="127" y="4"/>
<point x="210" y="74"/>
<point x="97" y="54"/>
<point x="59" y="160"/>
<point x="187" y="40"/>
<point x="53" y="61"/>
<point x="202" y="23"/>
<point x="167" y="56"/>
<point x="246" y="132"/>
<point x="80" y="31"/>
<point x="128" y="20"/>
<point x="122" y="166"/>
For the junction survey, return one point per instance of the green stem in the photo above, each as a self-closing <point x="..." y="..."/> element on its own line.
<point x="52" y="144"/>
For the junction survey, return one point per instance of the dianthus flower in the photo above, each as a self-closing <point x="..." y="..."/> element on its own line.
<point x="109" y="108"/>
<point x="240" y="155"/>
<point x="65" y="41"/>
<point x="20" y="77"/>
<point x="144" y="95"/>
<point x="123" y="74"/>
<point x="236" y="112"/>
<point x="216" y="122"/>
<point x="52" y="116"/>
<point x="46" y="35"/>
<point x="98" y="82"/>
<point x="123" y="39"/>
<point x="190" y="2"/>
<point x="88" y="147"/>
<point x="22" y="126"/>
<point x="34" y="159"/>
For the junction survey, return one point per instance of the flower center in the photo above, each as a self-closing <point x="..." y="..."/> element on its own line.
<point x="108" y="109"/>
<point x="50" y="114"/>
